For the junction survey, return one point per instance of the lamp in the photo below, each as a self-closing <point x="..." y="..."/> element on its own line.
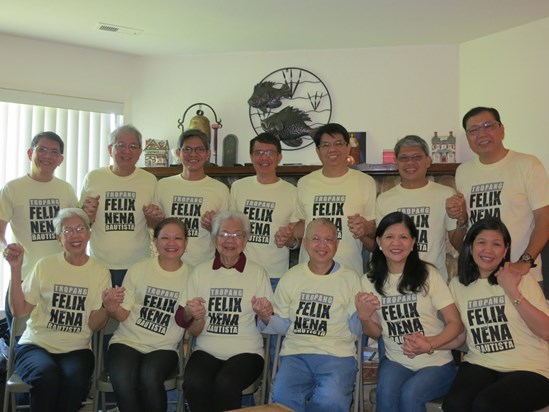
<point x="201" y="122"/>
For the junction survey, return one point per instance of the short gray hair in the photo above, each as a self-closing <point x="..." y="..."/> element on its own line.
<point x="126" y="128"/>
<point x="67" y="213"/>
<point x="231" y="215"/>
<point x="412" y="141"/>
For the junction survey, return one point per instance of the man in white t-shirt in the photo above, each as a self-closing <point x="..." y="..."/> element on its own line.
<point x="424" y="201"/>
<point x="30" y="203"/>
<point x="269" y="203"/>
<point x="192" y="196"/>
<point x="345" y="196"/>
<point x="506" y="184"/>
<point x="119" y="200"/>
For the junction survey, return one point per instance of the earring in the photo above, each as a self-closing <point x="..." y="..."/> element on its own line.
<point x="380" y="248"/>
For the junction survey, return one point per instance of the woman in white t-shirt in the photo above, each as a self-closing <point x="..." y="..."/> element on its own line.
<point x="143" y="351"/>
<point x="506" y="317"/>
<point x="401" y="303"/>
<point x="63" y="296"/>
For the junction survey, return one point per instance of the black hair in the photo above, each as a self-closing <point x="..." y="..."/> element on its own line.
<point x="193" y="133"/>
<point x="415" y="273"/>
<point x="332" y="129"/>
<point x="477" y="110"/>
<point x="467" y="268"/>
<point x="267" y="138"/>
<point x="54" y="137"/>
<point x="167" y="221"/>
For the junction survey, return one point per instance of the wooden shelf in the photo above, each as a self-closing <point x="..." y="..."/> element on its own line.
<point x="293" y="170"/>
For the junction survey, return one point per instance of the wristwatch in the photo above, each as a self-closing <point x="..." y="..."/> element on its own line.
<point x="527" y="257"/>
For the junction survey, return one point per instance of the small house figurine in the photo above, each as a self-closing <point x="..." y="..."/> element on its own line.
<point x="443" y="148"/>
<point x="157" y="153"/>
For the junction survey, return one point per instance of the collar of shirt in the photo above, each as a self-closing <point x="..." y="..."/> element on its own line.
<point x="239" y="265"/>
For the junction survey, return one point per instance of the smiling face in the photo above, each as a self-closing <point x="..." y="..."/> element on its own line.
<point x="488" y="251"/>
<point x="45" y="158"/>
<point x="321" y="242"/>
<point x="485" y="136"/>
<point x="125" y="152"/>
<point x="230" y="241"/>
<point x="192" y="160"/>
<point x="412" y="164"/>
<point x="265" y="158"/>
<point x="74" y="236"/>
<point x="171" y="241"/>
<point x="396" y="243"/>
<point x="333" y="152"/>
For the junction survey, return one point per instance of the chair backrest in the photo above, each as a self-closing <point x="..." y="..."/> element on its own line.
<point x="18" y="326"/>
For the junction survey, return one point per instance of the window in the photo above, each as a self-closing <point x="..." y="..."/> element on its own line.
<point x="84" y="125"/>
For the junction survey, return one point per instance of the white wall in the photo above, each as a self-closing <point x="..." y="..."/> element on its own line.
<point x="388" y="92"/>
<point x="43" y="67"/>
<point x="510" y="71"/>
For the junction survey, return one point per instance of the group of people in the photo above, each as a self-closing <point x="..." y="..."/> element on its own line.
<point x="221" y="254"/>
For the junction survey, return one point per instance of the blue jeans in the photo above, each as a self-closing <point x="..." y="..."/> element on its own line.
<point x="400" y="389"/>
<point x="59" y="381"/>
<point x="316" y="383"/>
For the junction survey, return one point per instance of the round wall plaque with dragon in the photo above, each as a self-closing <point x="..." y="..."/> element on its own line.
<point x="290" y="103"/>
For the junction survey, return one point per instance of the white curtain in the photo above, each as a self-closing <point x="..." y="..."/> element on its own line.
<point x="85" y="133"/>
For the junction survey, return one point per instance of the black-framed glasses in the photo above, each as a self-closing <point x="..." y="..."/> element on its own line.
<point x="123" y="146"/>
<point x="198" y="150"/>
<point x="484" y="127"/>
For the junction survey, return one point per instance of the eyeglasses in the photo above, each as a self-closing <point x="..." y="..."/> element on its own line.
<point x="226" y="235"/>
<point x="123" y="146"/>
<point x="486" y="127"/>
<point x="326" y="241"/>
<point x="44" y="150"/>
<point x="412" y="158"/>
<point x="268" y="153"/>
<point x="198" y="150"/>
<point x="70" y="230"/>
<point x="338" y="144"/>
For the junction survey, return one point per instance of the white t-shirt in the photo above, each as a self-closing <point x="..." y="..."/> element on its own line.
<point x="427" y="207"/>
<point x="403" y="314"/>
<point x="188" y="200"/>
<point x="510" y="189"/>
<point x="497" y="336"/>
<point x="269" y="207"/>
<point x="29" y="207"/>
<point x="152" y="297"/>
<point x="64" y="296"/>
<point x="336" y="198"/>
<point x="120" y="236"/>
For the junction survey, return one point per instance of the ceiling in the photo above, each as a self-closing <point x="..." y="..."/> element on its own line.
<point x="182" y="27"/>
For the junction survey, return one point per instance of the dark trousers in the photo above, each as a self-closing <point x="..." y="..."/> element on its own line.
<point x="138" y="378"/>
<point x="479" y="389"/>
<point x="59" y="381"/>
<point x="212" y="385"/>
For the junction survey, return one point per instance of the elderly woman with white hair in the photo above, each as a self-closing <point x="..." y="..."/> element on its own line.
<point x="222" y="303"/>
<point x="63" y="295"/>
